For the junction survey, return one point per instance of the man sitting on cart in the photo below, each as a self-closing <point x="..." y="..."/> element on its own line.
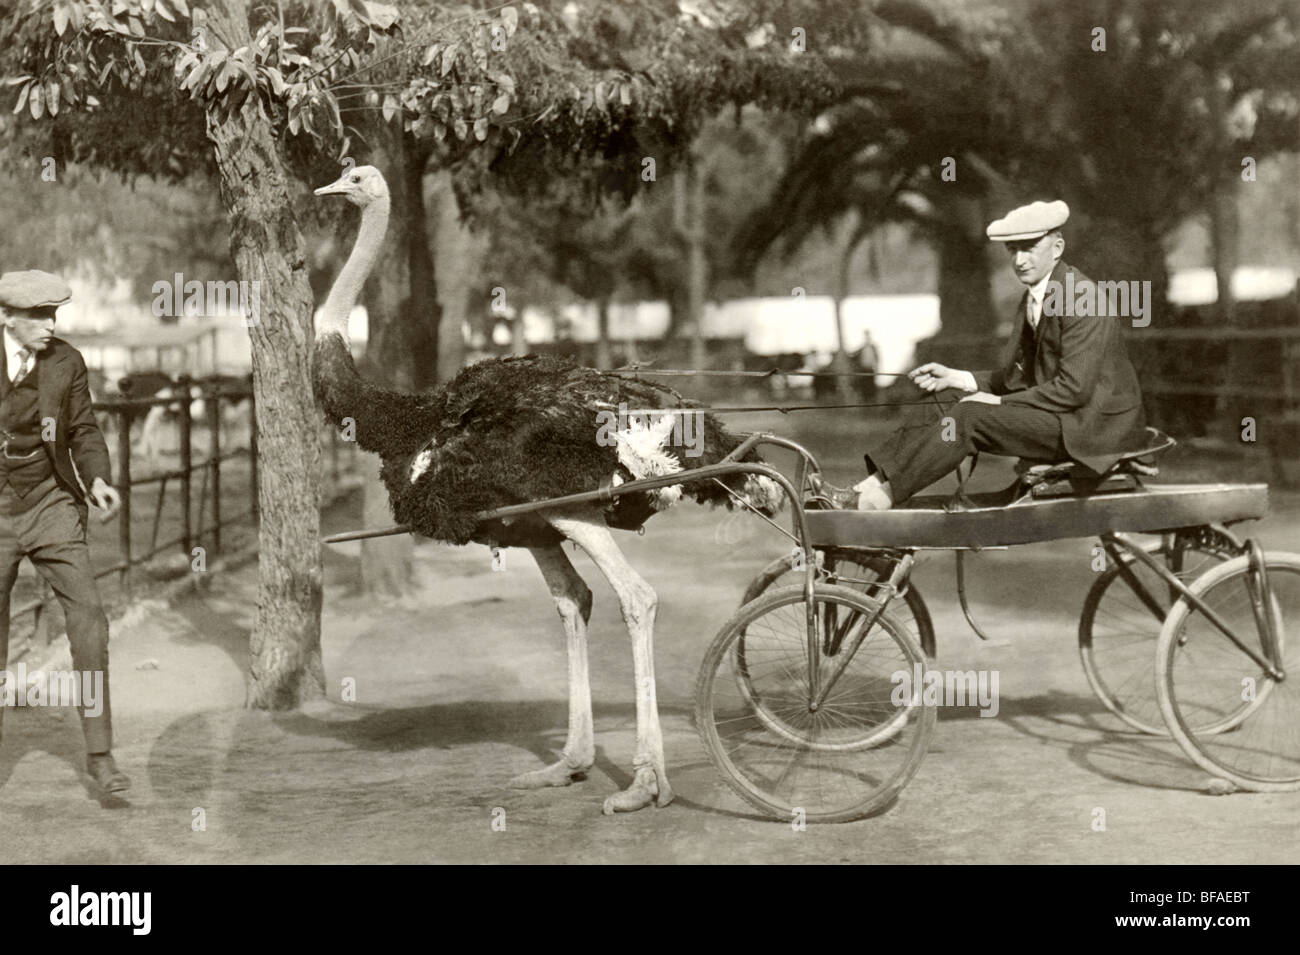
<point x="1065" y="392"/>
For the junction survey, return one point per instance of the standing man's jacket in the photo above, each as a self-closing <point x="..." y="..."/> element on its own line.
<point x="1077" y="367"/>
<point x="65" y="398"/>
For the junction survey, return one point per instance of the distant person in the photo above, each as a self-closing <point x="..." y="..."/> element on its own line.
<point x="1065" y="392"/>
<point x="865" y="362"/>
<point x="49" y="445"/>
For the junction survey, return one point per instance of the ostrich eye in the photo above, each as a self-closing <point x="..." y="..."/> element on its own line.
<point x="356" y="178"/>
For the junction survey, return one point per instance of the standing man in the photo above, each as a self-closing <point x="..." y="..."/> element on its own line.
<point x="50" y="450"/>
<point x="1065" y="391"/>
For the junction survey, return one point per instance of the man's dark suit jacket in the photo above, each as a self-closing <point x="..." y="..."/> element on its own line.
<point x="64" y="395"/>
<point x="1077" y="367"/>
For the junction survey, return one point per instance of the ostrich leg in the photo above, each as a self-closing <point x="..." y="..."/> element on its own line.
<point x="573" y="601"/>
<point x="637" y="600"/>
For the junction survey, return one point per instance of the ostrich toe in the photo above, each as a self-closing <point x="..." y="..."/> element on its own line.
<point x="562" y="773"/>
<point x="647" y="787"/>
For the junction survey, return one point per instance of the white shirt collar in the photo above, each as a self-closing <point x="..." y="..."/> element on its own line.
<point x="12" y="346"/>
<point x="1037" y="292"/>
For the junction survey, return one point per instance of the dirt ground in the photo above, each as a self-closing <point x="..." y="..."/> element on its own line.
<point x="461" y="685"/>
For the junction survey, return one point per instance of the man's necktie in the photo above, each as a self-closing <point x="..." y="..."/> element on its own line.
<point x="24" y="364"/>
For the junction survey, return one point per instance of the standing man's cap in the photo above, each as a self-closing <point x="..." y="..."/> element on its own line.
<point x="1029" y="222"/>
<point x="33" y="289"/>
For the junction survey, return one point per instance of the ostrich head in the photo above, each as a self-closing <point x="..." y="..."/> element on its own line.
<point x="361" y="186"/>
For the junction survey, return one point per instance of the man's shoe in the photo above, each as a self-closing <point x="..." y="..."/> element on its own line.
<point x="103" y="770"/>
<point x="829" y="495"/>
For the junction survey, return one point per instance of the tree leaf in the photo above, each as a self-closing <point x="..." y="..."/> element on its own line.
<point x="163" y="11"/>
<point x="36" y="101"/>
<point x="460" y="128"/>
<point x="501" y="104"/>
<point x="61" y="17"/>
<point x="278" y="85"/>
<point x="382" y="15"/>
<point x="52" y="97"/>
<point x="391" y="108"/>
<point x="22" y="98"/>
<point x="481" y="128"/>
<point x="430" y="54"/>
<point x="449" y="58"/>
<point x="510" y="20"/>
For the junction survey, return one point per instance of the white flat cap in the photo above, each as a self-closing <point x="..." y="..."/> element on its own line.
<point x="33" y="289"/>
<point x="1029" y="222"/>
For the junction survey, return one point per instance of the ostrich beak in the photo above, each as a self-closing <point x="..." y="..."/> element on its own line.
<point x="336" y="188"/>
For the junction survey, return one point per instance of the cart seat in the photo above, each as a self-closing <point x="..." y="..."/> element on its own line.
<point x="1056" y="478"/>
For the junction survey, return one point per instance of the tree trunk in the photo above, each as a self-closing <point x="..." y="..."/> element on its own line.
<point x="459" y="254"/>
<point x="697" y="278"/>
<point x="423" y="311"/>
<point x="518" y="342"/>
<point x="1224" y="222"/>
<point x="844" y="387"/>
<point x="285" y="666"/>
<point x="603" y="357"/>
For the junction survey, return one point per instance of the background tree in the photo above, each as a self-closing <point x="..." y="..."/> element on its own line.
<point x="254" y="96"/>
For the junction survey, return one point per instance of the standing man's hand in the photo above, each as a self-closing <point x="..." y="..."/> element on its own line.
<point x="935" y="377"/>
<point x="105" y="497"/>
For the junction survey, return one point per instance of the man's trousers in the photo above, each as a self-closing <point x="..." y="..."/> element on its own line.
<point x="938" y="437"/>
<point x="46" y="527"/>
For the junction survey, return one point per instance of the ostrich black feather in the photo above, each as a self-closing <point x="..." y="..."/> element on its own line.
<point x="507" y="431"/>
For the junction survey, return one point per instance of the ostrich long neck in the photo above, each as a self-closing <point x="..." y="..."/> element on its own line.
<point x="347" y="287"/>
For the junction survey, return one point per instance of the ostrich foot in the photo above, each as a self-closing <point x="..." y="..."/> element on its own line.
<point x="563" y="773"/>
<point x="647" y="787"/>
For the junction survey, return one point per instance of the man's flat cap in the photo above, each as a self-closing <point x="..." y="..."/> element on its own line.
<point x="33" y="289"/>
<point x="1029" y="222"/>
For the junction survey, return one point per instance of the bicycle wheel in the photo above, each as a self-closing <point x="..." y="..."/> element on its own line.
<point x="1204" y="678"/>
<point x="1117" y="629"/>
<point x="842" y="760"/>
<point x="858" y="571"/>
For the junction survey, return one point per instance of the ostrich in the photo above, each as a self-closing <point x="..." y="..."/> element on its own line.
<point x="512" y="430"/>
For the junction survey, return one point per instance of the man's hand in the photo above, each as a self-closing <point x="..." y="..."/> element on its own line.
<point x="935" y="377"/>
<point x="104" y="496"/>
<point x="984" y="398"/>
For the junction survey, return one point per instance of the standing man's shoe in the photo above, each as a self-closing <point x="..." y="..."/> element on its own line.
<point x="103" y="770"/>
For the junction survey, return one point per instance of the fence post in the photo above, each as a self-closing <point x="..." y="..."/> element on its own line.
<point x="186" y="426"/>
<point x="124" y="487"/>
<point x="212" y="403"/>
